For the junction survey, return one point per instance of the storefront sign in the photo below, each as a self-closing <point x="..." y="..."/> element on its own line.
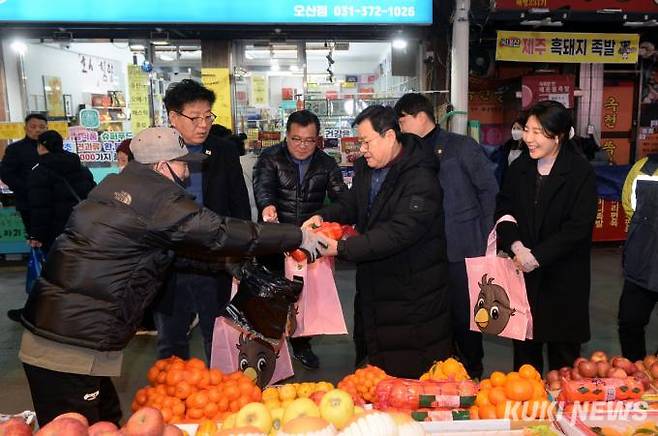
<point x="101" y="72"/>
<point x="93" y="147"/>
<point x="138" y="90"/>
<point x="9" y="131"/>
<point x="619" y="150"/>
<point x="398" y="12"/>
<point x="617" y="113"/>
<point x="579" y="5"/>
<point x="11" y="226"/>
<point x="558" y="87"/>
<point x="610" y="224"/>
<point x="607" y="48"/>
<point x="259" y="91"/>
<point x="218" y="80"/>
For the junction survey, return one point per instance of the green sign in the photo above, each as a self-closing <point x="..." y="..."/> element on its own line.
<point x="90" y="118"/>
<point x="11" y="226"/>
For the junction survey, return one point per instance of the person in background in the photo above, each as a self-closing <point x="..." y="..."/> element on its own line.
<point x="109" y="264"/>
<point x="15" y="168"/>
<point x="402" y="300"/>
<point x="551" y="192"/>
<point x="640" y="292"/>
<point x="466" y="176"/>
<point x="512" y="149"/>
<point x="124" y="155"/>
<point x="291" y="181"/>
<point x="56" y="184"/>
<point x="216" y="183"/>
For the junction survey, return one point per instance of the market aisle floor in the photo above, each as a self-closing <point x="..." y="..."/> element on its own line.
<point x="336" y="353"/>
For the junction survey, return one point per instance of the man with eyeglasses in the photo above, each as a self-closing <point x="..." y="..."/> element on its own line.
<point x="291" y="181"/>
<point x="216" y="183"/>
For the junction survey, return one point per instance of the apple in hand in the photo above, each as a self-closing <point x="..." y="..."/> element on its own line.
<point x="64" y="427"/>
<point x="254" y="415"/>
<point x="337" y="407"/>
<point x="15" y="427"/>
<point x="147" y="421"/>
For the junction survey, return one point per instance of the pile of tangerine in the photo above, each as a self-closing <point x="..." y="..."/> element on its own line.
<point x="361" y="385"/>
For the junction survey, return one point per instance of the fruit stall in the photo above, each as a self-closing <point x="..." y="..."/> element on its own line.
<point x="596" y="396"/>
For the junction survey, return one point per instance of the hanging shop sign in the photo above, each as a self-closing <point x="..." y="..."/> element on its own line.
<point x="259" y="90"/>
<point x="579" y="5"/>
<point x="606" y="48"/>
<point x="222" y="12"/>
<point x="9" y="131"/>
<point x="138" y="89"/>
<point x="217" y="79"/>
<point x="557" y="87"/>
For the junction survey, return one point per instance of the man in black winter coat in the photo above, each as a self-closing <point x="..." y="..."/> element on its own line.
<point x="218" y="184"/>
<point x="291" y="181"/>
<point x="110" y="262"/>
<point x="402" y="302"/>
<point x="15" y="169"/>
<point x="57" y="183"/>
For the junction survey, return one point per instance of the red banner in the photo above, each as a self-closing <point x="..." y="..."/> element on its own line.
<point x="578" y="5"/>
<point x="617" y="113"/>
<point x="610" y="224"/>
<point x="558" y="87"/>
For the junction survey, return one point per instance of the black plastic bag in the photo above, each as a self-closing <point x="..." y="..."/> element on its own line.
<point x="263" y="302"/>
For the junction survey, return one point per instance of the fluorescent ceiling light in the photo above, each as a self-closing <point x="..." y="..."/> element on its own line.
<point x="137" y="47"/>
<point x="160" y="42"/>
<point x="399" y="44"/>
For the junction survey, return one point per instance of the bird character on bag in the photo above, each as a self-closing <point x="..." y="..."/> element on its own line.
<point x="256" y="359"/>
<point x="492" y="311"/>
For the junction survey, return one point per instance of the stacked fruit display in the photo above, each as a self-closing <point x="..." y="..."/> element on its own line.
<point x="187" y="391"/>
<point x="514" y="395"/>
<point x="281" y="396"/>
<point x="600" y="366"/>
<point x="363" y="383"/>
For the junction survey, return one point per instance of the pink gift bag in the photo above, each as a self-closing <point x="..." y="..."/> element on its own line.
<point x="497" y="294"/>
<point x="233" y="351"/>
<point x="318" y="310"/>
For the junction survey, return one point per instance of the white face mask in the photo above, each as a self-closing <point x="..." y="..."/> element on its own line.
<point x="517" y="134"/>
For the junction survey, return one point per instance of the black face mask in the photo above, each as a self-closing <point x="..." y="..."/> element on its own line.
<point x="177" y="180"/>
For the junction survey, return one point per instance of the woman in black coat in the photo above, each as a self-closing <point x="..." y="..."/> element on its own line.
<point x="402" y="267"/>
<point x="56" y="184"/>
<point x="551" y="191"/>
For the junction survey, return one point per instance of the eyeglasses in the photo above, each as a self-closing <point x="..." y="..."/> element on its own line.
<point x="197" y="120"/>
<point x="365" y="143"/>
<point x="305" y="141"/>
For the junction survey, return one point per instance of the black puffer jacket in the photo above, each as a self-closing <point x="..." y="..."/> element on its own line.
<point x="112" y="257"/>
<point x="276" y="182"/>
<point x="402" y="264"/>
<point x="15" y="168"/>
<point x="50" y="199"/>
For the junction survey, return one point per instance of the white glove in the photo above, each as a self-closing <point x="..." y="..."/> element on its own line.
<point x="524" y="257"/>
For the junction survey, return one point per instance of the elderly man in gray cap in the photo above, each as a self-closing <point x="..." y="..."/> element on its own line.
<point x="108" y="265"/>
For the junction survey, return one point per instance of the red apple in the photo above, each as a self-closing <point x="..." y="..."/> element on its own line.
<point x="640" y="365"/>
<point x="599" y="356"/>
<point x="602" y="368"/>
<point x="172" y="430"/>
<point x="617" y="373"/>
<point x="565" y="372"/>
<point x="552" y="376"/>
<point x="587" y="369"/>
<point x="102" y="428"/>
<point x="74" y="415"/>
<point x="555" y="385"/>
<point x="15" y="427"/>
<point x="317" y="396"/>
<point x="63" y="427"/>
<point x="654" y="370"/>
<point x="147" y="421"/>
<point x="578" y="360"/>
<point x="625" y="364"/>
<point x="642" y="377"/>
<point x="575" y="375"/>
<point x="649" y="360"/>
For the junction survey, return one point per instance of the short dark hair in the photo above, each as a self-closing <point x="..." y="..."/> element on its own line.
<point x="554" y="119"/>
<point x="220" y="131"/>
<point x="382" y="118"/>
<point x="52" y="140"/>
<point x="37" y="116"/>
<point x="413" y="104"/>
<point x="186" y="91"/>
<point x="124" y="147"/>
<point x="303" y="118"/>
